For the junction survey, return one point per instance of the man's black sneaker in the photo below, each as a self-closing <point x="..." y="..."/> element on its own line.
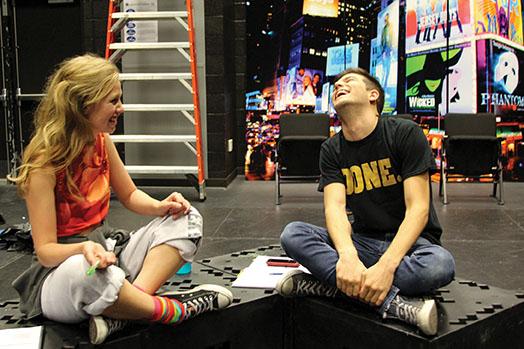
<point x="419" y="312"/>
<point x="299" y="283"/>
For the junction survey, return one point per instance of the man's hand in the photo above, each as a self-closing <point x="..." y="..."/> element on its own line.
<point x="376" y="283"/>
<point x="175" y="205"/>
<point x="349" y="274"/>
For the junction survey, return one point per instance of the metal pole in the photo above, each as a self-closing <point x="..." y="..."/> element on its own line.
<point x="9" y="87"/>
<point x="448" y="19"/>
<point x="18" y="88"/>
<point x="3" y="96"/>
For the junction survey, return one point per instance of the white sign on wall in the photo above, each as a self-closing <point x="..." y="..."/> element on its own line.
<point x="140" y="31"/>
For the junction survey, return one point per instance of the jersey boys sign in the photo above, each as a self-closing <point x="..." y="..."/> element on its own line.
<point x="428" y="23"/>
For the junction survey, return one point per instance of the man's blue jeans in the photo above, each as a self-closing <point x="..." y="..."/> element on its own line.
<point x="425" y="267"/>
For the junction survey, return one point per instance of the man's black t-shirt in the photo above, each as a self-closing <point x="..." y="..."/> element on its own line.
<point x="373" y="169"/>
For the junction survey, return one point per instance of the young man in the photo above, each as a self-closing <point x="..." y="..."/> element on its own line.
<point x="379" y="169"/>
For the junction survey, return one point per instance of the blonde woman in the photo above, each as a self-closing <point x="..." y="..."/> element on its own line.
<point x="84" y="268"/>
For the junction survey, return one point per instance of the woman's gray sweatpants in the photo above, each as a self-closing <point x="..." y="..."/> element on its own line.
<point x="69" y="295"/>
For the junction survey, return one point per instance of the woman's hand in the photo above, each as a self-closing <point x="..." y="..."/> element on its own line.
<point x="175" y="205"/>
<point x="94" y="252"/>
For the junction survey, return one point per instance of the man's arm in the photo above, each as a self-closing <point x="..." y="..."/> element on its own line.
<point x="378" y="279"/>
<point x="349" y="268"/>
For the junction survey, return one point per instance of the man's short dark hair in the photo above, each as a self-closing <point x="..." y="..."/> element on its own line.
<point x="370" y="81"/>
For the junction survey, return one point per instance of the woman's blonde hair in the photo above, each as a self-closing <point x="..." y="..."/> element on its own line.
<point x="61" y="127"/>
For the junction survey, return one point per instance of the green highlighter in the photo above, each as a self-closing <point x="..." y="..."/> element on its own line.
<point x="92" y="268"/>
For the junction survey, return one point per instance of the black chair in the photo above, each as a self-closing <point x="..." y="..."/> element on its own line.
<point x="471" y="150"/>
<point x="298" y="148"/>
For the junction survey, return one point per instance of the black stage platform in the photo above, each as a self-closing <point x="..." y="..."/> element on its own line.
<point x="471" y="315"/>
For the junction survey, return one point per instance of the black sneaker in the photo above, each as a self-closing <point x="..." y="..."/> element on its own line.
<point x="101" y="327"/>
<point x="419" y="312"/>
<point x="201" y="299"/>
<point x="299" y="283"/>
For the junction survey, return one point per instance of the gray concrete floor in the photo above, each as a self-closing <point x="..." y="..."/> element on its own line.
<point x="486" y="239"/>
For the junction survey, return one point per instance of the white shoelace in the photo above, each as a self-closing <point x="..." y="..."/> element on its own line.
<point x="314" y="288"/>
<point x="114" y="325"/>
<point x="407" y="312"/>
<point x="199" y="305"/>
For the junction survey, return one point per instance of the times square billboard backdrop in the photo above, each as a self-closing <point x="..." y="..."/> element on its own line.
<point x="451" y="51"/>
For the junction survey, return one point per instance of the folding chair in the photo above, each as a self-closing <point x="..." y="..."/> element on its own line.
<point x="471" y="150"/>
<point x="298" y="148"/>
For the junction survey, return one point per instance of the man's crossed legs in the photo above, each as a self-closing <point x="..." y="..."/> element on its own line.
<point x="425" y="268"/>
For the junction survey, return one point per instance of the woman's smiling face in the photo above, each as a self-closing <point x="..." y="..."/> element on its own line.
<point x="103" y="116"/>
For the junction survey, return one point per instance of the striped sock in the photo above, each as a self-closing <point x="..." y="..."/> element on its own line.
<point x="167" y="310"/>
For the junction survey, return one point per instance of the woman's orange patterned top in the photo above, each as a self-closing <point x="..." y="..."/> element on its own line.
<point x="91" y="175"/>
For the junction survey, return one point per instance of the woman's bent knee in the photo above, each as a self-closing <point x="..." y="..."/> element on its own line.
<point x="70" y="271"/>
<point x="185" y="237"/>
<point x="70" y="295"/>
<point x="186" y="247"/>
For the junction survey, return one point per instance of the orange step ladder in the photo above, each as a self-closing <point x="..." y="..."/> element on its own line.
<point x="117" y="20"/>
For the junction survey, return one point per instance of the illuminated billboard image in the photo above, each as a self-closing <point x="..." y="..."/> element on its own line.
<point x="374" y="56"/>
<point x="500" y="17"/>
<point x="500" y="78"/>
<point x="486" y="17"/>
<point x="300" y="86"/>
<point x="427" y="76"/>
<point x="515" y="21"/>
<point x="321" y="8"/>
<point x="340" y="58"/>
<point x="427" y="24"/>
<point x="384" y="55"/>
